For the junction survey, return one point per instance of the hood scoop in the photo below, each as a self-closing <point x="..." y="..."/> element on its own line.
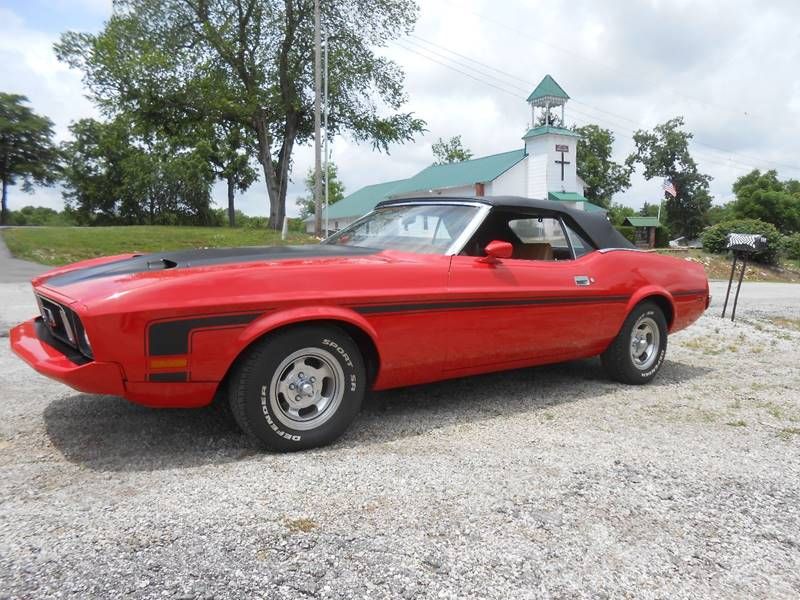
<point x="161" y="265"/>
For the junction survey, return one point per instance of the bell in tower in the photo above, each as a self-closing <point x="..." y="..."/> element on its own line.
<point x="547" y="95"/>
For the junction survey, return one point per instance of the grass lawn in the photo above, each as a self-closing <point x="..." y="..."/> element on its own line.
<point x="718" y="266"/>
<point x="63" y="245"/>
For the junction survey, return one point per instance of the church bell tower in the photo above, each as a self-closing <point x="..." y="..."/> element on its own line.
<point x="551" y="147"/>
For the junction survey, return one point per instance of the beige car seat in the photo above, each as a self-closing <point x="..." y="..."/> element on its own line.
<point x="538" y="251"/>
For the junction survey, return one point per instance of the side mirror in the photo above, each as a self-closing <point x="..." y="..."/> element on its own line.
<point x="496" y="250"/>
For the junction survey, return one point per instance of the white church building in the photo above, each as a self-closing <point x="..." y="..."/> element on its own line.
<point x="544" y="168"/>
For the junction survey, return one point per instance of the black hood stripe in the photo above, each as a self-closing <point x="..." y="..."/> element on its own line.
<point x="206" y="257"/>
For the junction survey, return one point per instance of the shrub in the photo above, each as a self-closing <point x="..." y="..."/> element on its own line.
<point x="628" y="232"/>
<point x="38" y="215"/>
<point x="791" y="246"/>
<point x="662" y="237"/>
<point x="715" y="240"/>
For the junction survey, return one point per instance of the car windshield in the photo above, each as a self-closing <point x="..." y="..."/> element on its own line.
<point x="421" y="228"/>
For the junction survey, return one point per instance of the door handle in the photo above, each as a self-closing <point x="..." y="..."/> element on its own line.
<point x="582" y="280"/>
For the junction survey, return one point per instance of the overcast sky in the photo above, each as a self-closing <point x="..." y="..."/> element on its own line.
<point x="730" y="67"/>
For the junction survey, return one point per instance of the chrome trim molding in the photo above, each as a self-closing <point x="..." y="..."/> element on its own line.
<point x="604" y="250"/>
<point x="461" y="241"/>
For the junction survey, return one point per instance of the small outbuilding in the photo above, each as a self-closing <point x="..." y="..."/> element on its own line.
<point x="645" y="230"/>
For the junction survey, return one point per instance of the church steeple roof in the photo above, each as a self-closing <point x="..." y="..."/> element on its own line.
<point x="548" y="92"/>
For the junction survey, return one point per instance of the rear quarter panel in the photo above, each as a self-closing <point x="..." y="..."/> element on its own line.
<point x="682" y="283"/>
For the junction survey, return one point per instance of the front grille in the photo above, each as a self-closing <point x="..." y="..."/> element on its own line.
<point x="63" y="324"/>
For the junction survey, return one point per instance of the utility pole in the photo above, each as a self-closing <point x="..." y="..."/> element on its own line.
<point x="327" y="171"/>
<point x="317" y="133"/>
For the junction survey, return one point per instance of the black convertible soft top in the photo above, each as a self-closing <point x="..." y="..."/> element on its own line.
<point x="594" y="225"/>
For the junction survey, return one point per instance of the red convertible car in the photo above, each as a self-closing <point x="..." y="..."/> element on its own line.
<point x="416" y="291"/>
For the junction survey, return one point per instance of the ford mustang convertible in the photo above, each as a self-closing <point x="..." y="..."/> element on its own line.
<point x="418" y="290"/>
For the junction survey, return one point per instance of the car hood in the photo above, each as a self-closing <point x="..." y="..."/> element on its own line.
<point x="185" y="259"/>
<point x="114" y="276"/>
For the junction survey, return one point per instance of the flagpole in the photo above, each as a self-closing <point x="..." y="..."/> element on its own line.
<point x="317" y="133"/>
<point x="327" y="171"/>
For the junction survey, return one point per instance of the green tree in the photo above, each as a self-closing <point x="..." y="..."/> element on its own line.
<point x="227" y="148"/>
<point x="763" y="196"/>
<point x="450" y="151"/>
<point x="37" y="215"/>
<point x="113" y="176"/>
<point x="603" y="177"/>
<point x="649" y="210"/>
<point x="664" y="153"/>
<point x="719" y="213"/>
<point x="27" y="152"/>
<point x="335" y="190"/>
<point x="617" y="213"/>
<point x="250" y="62"/>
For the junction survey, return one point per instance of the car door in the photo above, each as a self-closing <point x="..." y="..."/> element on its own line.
<point x="525" y="310"/>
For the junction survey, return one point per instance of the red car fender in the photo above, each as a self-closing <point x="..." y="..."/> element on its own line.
<point x="275" y="320"/>
<point x="83" y="264"/>
<point x="649" y="291"/>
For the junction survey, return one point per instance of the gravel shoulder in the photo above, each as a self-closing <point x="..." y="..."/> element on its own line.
<point x="547" y="482"/>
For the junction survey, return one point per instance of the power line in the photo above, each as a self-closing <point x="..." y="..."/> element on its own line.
<point x="588" y="118"/>
<point x="478" y="79"/>
<point x="728" y="153"/>
<point x="594" y="62"/>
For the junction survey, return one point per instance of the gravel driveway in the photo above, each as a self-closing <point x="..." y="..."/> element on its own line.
<point x="539" y="482"/>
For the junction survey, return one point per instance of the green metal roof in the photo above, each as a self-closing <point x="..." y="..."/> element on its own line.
<point x="468" y="172"/>
<point x="577" y="198"/>
<point x="362" y="201"/>
<point x="542" y="129"/>
<point x="566" y="196"/>
<point x="643" y="221"/>
<point x="589" y="207"/>
<point x="548" y="87"/>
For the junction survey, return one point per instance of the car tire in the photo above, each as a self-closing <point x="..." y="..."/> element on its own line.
<point x="636" y="354"/>
<point x="298" y="389"/>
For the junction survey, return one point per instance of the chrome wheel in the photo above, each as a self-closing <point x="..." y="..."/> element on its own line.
<point x="306" y="389"/>
<point x="645" y="343"/>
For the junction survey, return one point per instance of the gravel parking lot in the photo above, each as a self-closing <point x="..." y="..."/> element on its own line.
<point x="538" y="482"/>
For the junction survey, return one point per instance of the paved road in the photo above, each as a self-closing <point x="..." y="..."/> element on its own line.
<point x="758" y="298"/>
<point x="13" y="270"/>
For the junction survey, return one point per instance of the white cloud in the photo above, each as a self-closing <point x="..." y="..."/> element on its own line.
<point x="728" y="66"/>
<point x="29" y="67"/>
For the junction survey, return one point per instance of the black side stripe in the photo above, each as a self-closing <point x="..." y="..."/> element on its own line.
<point x="181" y="377"/>
<point x="172" y="337"/>
<point x="689" y="293"/>
<point x="469" y="304"/>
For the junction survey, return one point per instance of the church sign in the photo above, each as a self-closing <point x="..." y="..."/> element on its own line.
<point x="562" y="148"/>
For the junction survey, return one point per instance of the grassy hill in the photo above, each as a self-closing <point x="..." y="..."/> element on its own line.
<point x="63" y="245"/>
<point x="718" y="266"/>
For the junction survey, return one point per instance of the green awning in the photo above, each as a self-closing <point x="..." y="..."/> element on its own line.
<point x="643" y="221"/>
<point x="566" y="197"/>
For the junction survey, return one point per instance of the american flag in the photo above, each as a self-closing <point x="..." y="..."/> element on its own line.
<point x="669" y="188"/>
